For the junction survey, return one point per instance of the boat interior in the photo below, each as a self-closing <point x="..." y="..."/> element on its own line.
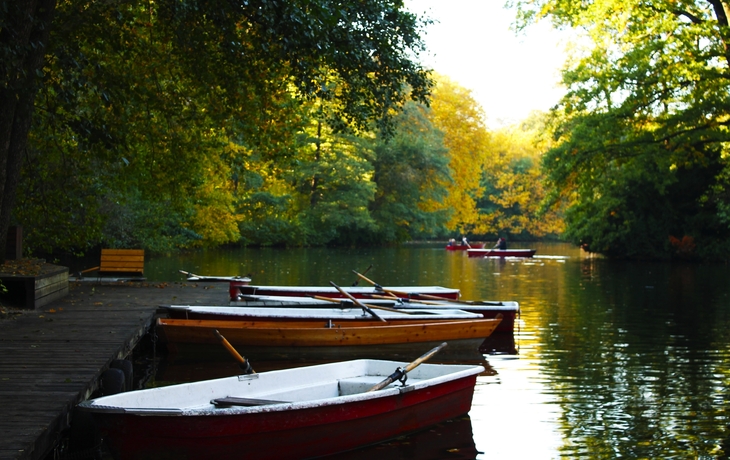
<point x="298" y="385"/>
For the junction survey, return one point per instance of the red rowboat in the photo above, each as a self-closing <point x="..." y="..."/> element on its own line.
<point x="287" y="414"/>
<point x="501" y="252"/>
<point x="463" y="247"/>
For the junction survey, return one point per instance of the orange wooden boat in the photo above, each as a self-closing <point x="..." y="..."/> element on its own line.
<point x="327" y="333"/>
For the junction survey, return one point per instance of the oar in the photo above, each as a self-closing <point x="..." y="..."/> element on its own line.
<point x="379" y="307"/>
<point x="188" y="274"/>
<point x="377" y="286"/>
<point x="490" y="251"/>
<point x="403" y="294"/>
<point x="426" y="302"/>
<point x="243" y="362"/>
<point x="357" y="281"/>
<point x="399" y="373"/>
<point x="402" y="299"/>
<point x="357" y="302"/>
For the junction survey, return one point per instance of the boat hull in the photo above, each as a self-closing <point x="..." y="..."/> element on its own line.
<point x="285" y="431"/>
<point x="501" y="252"/>
<point x="321" y="333"/>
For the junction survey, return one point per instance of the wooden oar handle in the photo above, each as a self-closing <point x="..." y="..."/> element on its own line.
<point x="357" y="302"/>
<point x="403" y="299"/>
<point x="367" y="279"/>
<point x="357" y="281"/>
<point x="400" y="372"/>
<point x="245" y="365"/>
<point x="379" y="307"/>
<point x="425" y="357"/>
<point x="327" y="299"/>
<point x="399" y="293"/>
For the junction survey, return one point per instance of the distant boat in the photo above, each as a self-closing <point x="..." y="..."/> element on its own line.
<point x="501" y="252"/>
<point x="286" y="414"/>
<point x="463" y="247"/>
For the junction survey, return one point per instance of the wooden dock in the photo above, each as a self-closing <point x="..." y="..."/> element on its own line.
<point x="51" y="358"/>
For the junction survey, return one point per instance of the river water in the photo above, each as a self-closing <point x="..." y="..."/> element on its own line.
<point x="614" y="359"/>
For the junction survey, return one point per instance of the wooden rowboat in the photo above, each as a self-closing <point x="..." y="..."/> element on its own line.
<point x="306" y="302"/>
<point x="501" y="252"/>
<point x="509" y="310"/>
<point x="324" y="312"/>
<point x="343" y="338"/>
<point x="238" y="288"/>
<point x="286" y="414"/>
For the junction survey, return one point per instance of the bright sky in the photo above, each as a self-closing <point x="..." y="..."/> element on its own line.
<point x="510" y="75"/>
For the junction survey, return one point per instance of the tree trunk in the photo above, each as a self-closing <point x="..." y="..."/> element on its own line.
<point x="23" y="42"/>
<point x="314" y="186"/>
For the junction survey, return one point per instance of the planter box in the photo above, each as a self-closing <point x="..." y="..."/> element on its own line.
<point x="31" y="292"/>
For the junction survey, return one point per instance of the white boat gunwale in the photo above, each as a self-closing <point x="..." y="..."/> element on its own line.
<point x="255" y="300"/>
<point x="324" y="313"/>
<point x="417" y="379"/>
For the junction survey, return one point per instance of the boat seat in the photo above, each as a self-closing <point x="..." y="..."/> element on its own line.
<point x="229" y="401"/>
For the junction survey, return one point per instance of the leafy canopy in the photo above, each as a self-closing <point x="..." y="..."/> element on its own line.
<point x="641" y="154"/>
<point x="191" y="106"/>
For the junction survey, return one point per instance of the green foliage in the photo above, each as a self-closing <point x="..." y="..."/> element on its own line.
<point x="410" y="172"/>
<point x="333" y="181"/>
<point x="156" y="226"/>
<point x="268" y="222"/>
<point x="161" y="122"/>
<point x="365" y="47"/>
<point x="514" y="186"/>
<point x="642" y="134"/>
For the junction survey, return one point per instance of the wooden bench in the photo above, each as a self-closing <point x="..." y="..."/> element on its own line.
<point x="120" y="261"/>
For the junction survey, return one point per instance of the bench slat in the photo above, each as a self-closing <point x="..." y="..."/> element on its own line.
<point x="234" y="401"/>
<point x="122" y="260"/>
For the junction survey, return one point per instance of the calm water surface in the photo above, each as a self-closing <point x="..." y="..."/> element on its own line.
<point x="615" y="359"/>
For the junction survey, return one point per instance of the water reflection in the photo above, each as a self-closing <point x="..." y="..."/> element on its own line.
<point x="452" y="439"/>
<point x="180" y="368"/>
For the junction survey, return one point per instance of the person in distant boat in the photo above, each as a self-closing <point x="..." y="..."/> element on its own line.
<point x="452" y="242"/>
<point x="501" y="243"/>
<point x="464" y="241"/>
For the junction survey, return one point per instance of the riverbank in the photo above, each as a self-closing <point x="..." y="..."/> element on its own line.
<point x="52" y="358"/>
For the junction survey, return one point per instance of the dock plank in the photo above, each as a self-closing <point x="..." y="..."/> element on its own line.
<point x="53" y="356"/>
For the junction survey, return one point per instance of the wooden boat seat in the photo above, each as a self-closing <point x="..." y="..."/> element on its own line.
<point x="229" y="401"/>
